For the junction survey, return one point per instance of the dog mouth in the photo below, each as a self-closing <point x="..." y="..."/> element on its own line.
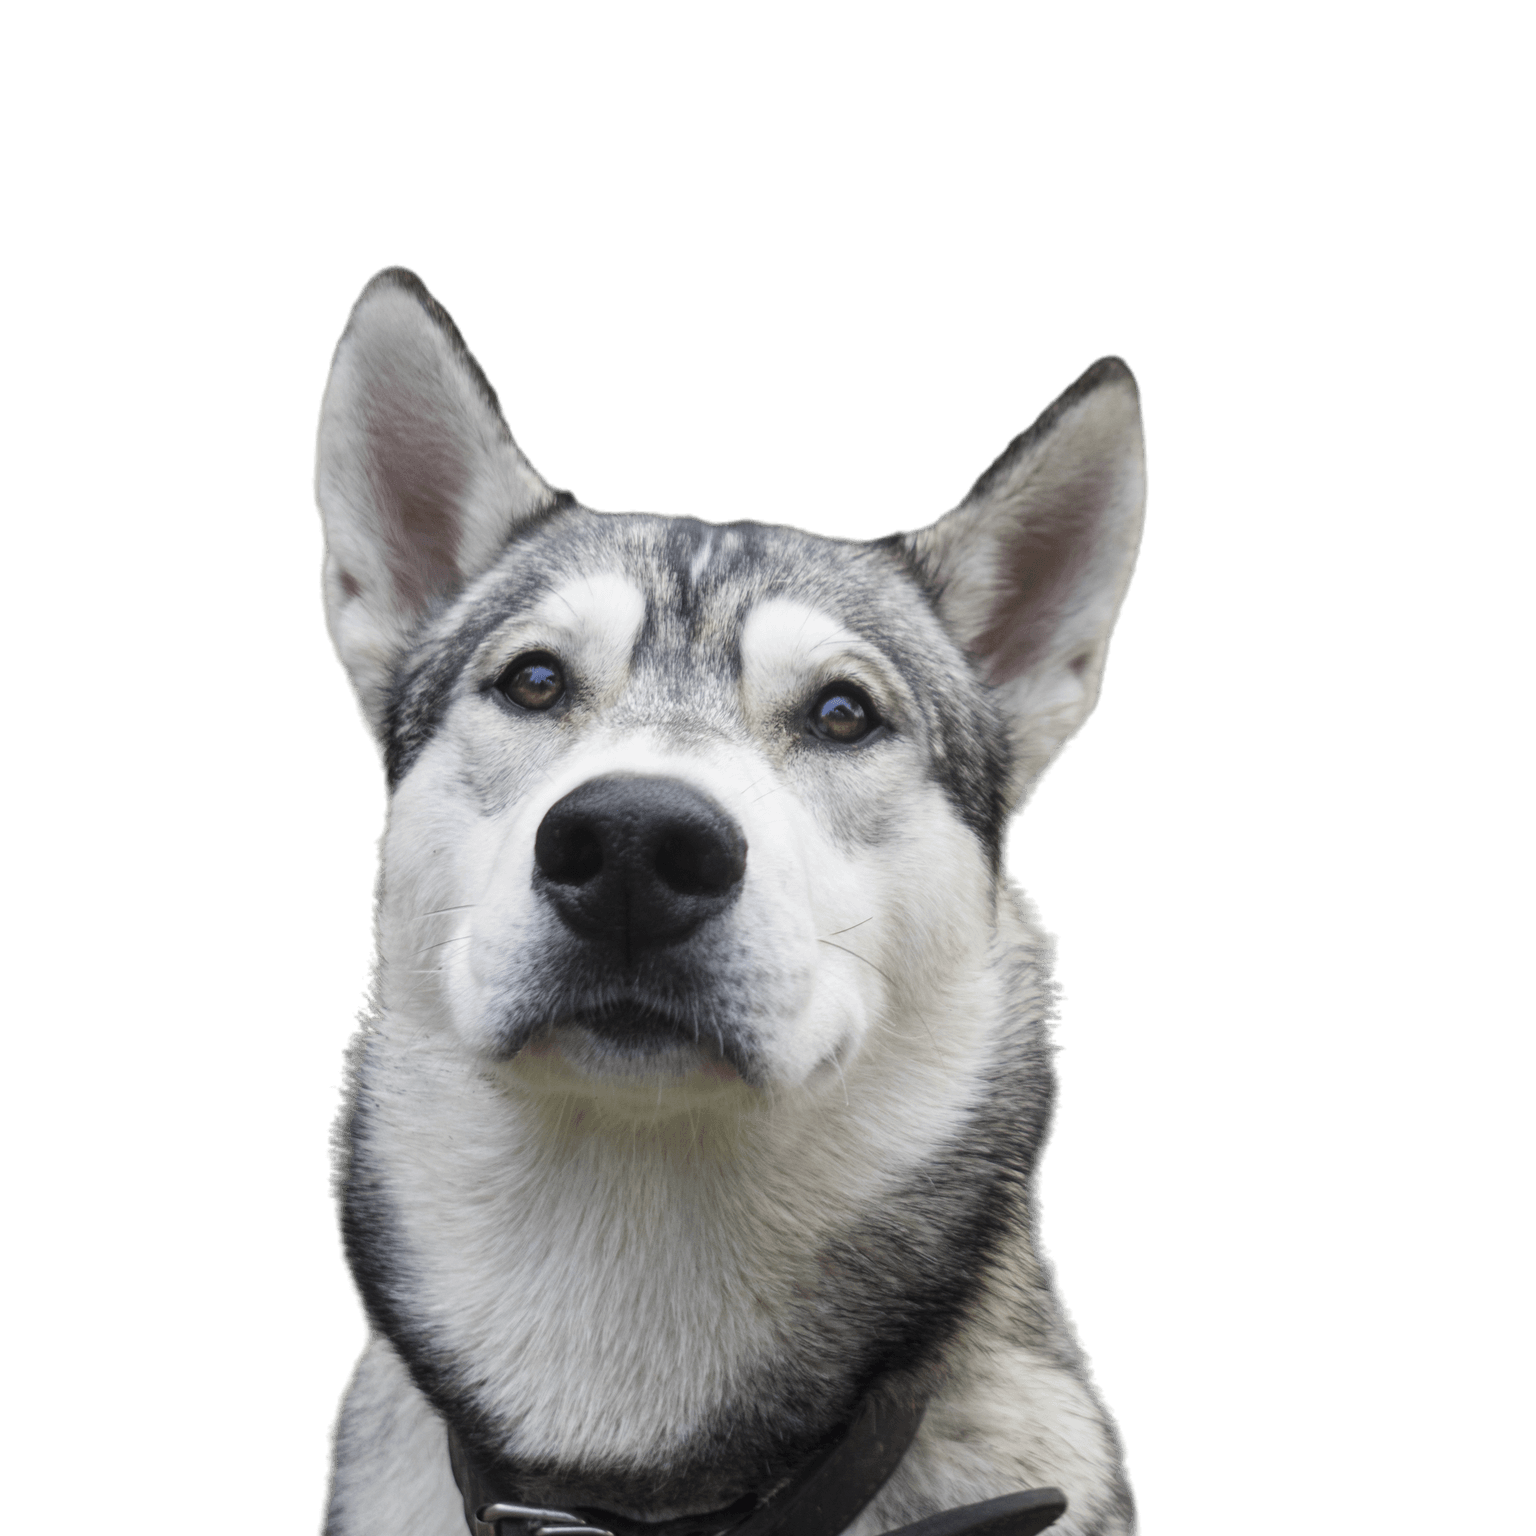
<point x="629" y="1039"/>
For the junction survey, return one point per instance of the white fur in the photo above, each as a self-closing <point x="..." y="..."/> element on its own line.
<point x="616" y="1248"/>
<point x="627" y="1263"/>
<point x="392" y="1473"/>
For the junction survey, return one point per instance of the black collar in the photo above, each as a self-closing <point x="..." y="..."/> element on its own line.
<point x="822" y="1498"/>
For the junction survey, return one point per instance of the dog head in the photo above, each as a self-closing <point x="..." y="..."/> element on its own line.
<point x="684" y="814"/>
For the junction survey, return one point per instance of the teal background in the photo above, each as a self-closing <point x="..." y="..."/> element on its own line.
<point x="813" y="264"/>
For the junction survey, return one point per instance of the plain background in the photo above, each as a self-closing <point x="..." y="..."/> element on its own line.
<point x="811" y="264"/>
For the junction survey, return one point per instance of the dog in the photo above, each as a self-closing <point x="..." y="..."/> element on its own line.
<point x="692" y="1128"/>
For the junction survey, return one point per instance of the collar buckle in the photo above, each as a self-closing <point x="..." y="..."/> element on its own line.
<point x="540" y="1522"/>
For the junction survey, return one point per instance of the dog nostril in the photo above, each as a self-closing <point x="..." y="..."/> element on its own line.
<point x="569" y="853"/>
<point x="695" y="864"/>
<point x="638" y="863"/>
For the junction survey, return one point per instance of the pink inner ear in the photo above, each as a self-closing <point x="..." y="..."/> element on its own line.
<point x="1043" y="566"/>
<point x="420" y="478"/>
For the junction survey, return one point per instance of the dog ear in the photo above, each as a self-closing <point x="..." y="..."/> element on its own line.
<point x="1029" y="570"/>
<point x="419" y="482"/>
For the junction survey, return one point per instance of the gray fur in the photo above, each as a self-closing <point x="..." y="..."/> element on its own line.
<point x="836" y="1179"/>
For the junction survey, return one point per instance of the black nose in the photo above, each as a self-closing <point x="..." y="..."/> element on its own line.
<point x="638" y="863"/>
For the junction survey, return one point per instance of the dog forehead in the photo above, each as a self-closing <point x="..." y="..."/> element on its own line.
<point x="706" y="590"/>
<point x="703" y="579"/>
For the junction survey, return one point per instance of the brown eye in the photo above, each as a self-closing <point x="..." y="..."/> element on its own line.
<point x="534" y="681"/>
<point x="843" y="714"/>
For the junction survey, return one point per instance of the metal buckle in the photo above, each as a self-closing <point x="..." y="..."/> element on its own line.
<point x="545" y="1522"/>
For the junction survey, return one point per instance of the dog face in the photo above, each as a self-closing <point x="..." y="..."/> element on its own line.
<point x="686" y="815"/>
<point x="688" y="794"/>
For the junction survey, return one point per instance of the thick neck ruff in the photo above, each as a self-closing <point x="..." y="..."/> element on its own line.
<point x="807" y="1435"/>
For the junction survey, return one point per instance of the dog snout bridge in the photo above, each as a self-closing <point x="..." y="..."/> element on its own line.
<point x="633" y="863"/>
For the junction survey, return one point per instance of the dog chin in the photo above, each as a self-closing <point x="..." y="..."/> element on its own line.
<point x="650" y="1076"/>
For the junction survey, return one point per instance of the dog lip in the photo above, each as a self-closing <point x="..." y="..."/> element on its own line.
<point x="635" y="1028"/>
<point x="632" y="1016"/>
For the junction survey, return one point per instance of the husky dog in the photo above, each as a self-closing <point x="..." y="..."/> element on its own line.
<point x="707" y="1067"/>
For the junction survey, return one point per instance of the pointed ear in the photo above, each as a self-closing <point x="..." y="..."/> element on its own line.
<point x="1029" y="570"/>
<point x="419" y="482"/>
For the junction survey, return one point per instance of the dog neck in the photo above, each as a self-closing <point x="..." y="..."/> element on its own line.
<point x="642" y="1316"/>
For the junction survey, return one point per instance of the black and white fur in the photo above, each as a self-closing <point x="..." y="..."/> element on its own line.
<point x="650" y="1270"/>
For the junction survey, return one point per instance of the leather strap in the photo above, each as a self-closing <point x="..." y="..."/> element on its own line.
<point x="1015" y="1514"/>
<point x="822" y="1498"/>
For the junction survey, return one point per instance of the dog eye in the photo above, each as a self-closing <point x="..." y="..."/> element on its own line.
<point x="533" y="681"/>
<point x="842" y="713"/>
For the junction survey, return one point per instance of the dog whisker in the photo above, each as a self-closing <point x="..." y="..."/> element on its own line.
<point x="857" y="956"/>
<point x="457" y="939"/>
<point x="837" y="1067"/>
<point x="852" y="926"/>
